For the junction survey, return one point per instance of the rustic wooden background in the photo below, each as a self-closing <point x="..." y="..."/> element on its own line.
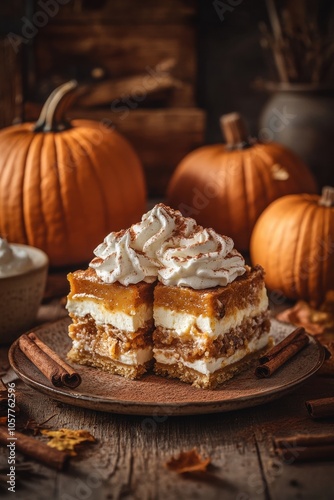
<point x="142" y="51"/>
<point x="214" y="57"/>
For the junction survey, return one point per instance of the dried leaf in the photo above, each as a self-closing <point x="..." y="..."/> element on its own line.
<point x="314" y="321"/>
<point x="67" y="439"/>
<point x="188" y="461"/>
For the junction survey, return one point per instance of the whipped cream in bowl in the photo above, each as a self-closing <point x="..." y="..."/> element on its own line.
<point x="168" y="247"/>
<point x="23" y="272"/>
<point x="14" y="259"/>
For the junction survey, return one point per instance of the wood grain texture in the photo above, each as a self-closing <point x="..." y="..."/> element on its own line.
<point x="120" y="50"/>
<point x="127" y="462"/>
<point x="118" y="11"/>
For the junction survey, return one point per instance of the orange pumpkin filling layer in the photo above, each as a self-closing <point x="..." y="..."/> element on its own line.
<point x="213" y="302"/>
<point x="113" y="296"/>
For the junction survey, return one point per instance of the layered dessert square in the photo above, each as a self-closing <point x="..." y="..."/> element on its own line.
<point x="112" y="324"/>
<point x="111" y="302"/>
<point x="206" y="336"/>
<point x="169" y="288"/>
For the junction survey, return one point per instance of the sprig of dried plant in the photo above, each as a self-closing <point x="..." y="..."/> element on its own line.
<point x="302" y="47"/>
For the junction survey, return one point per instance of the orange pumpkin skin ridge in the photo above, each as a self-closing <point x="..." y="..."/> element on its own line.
<point x="64" y="191"/>
<point x="294" y="241"/>
<point x="228" y="190"/>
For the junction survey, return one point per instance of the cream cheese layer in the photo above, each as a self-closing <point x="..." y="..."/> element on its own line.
<point x="132" y="357"/>
<point x="183" y="323"/>
<point x="211" y="365"/>
<point x="81" y="307"/>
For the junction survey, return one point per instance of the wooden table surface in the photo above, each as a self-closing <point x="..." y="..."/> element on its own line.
<point x="128" y="459"/>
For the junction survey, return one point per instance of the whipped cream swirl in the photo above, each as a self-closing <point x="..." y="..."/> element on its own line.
<point x="170" y="247"/>
<point x="205" y="259"/>
<point x="13" y="260"/>
<point x="118" y="261"/>
<point x="131" y="256"/>
<point x="158" y="226"/>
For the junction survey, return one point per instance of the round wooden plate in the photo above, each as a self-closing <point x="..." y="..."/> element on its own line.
<point x="153" y="395"/>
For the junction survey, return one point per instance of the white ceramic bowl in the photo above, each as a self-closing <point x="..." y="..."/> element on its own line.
<point x="21" y="295"/>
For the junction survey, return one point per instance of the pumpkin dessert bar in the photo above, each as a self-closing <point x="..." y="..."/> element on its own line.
<point x="169" y="288"/>
<point x="206" y="336"/>
<point x="111" y="302"/>
<point x="112" y="324"/>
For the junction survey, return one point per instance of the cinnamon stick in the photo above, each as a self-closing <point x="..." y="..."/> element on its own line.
<point x="48" y="362"/>
<point x="300" y="440"/>
<point x="306" y="454"/>
<point x="281" y="353"/>
<point x="320" y="408"/>
<point x="282" y="345"/>
<point x="33" y="448"/>
<point x="70" y="377"/>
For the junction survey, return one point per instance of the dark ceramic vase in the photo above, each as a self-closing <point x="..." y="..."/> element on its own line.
<point x="302" y="118"/>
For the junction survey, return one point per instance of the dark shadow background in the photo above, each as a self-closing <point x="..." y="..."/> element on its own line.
<point x="230" y="61"/>
<point x="230" y="58"/>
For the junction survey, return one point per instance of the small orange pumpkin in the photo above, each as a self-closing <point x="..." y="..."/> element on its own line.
<point x="228" y="186"/>
<point x="294" y="241"/>
<point x="65" y="185"/>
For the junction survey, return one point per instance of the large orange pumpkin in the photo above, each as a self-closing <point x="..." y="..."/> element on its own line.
<point x="294" y="241"/>
<point x="228" y="186"/>
<point x="65" y="185"/>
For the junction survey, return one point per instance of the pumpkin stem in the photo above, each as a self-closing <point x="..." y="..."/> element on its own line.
<point x="327" y="197"/>
<point x="52" y="117"/>
<point x="235" y="131"/>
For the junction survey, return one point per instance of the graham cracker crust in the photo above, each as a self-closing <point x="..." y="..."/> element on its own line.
<point x="212" y="381"/>
<point x="108" y="364"/>
<point x="109" y="339"/>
